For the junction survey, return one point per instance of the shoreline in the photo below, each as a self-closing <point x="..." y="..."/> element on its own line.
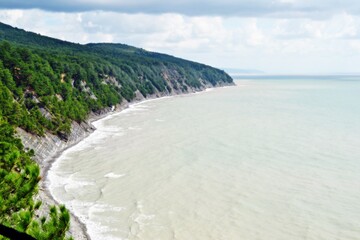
<point x="78" y="229"/>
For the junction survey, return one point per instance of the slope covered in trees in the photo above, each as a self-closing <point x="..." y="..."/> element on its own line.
<point x="55" y="82"/>
<point x="46" y="84"/>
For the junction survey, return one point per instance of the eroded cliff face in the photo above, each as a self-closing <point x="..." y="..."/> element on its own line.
<point x="48" y="146"/>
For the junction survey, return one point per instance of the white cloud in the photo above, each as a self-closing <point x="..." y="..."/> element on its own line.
<point x="11" y="17"/>
<point x="270" y="44"/>
<point x="254" y="35"/>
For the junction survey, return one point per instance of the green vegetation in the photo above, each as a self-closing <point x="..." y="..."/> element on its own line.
<point x="46" y="84"/>
<point x="19" y="176"/>
<point x="56" y="82"/>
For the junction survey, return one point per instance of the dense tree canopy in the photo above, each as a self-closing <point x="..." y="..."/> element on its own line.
<point x="56" y="82"/>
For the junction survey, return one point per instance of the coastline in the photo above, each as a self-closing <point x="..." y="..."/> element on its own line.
<point x="78" y="229"/>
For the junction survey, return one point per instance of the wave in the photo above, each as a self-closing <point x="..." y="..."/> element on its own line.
<point x="113" y="175"/>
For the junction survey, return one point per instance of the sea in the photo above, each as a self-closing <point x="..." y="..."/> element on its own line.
<point x="272" y="158"/>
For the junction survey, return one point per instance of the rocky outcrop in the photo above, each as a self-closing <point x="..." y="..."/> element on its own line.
<point x="48" y="146"/>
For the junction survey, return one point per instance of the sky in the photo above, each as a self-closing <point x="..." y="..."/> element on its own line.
<point x="274" y="36"/>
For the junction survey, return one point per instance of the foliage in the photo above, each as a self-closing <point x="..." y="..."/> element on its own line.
<point x="55" y="82"/>
<point x="19" y="176"/>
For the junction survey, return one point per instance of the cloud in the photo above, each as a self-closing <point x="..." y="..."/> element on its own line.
<point x="269" y="44"/>
<point x="340" y="26"/>
<point x="247" y="8"/>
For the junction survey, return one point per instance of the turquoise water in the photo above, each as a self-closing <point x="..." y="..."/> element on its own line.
<point x="271" y="158"/>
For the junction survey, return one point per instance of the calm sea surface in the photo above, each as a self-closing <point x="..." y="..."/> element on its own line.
<point x="274" y="158"/>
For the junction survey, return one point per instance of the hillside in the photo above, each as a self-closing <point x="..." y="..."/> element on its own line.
<point x="48" y="86"/>
<point x="58" y="82"/>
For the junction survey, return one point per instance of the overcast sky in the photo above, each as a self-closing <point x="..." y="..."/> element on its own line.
<point x="276" y="36"/>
